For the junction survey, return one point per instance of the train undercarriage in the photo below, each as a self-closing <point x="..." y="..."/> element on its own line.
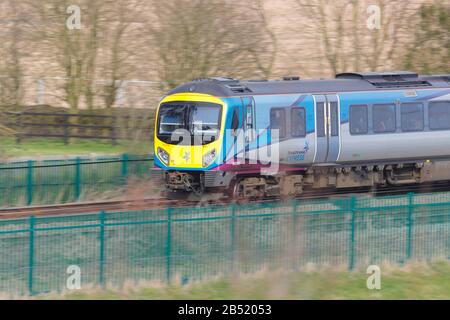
<point x="294" y="183"/>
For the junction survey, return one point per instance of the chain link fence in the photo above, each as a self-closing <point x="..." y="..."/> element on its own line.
<point x="185" y="244"/>
<point x="62" y="181"/>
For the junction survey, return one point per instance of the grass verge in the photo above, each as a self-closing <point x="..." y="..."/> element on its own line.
<point x="56" y="147"/>
<point x="413" y="281"/>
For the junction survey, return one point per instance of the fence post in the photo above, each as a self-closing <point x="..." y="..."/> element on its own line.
<point x="233" y="238"/>
<point x="31" y="255"/>
<point x="169" y="245"/>
<point x="30" y="182"/>
<point x="102" y="248"/>
<point x="294" y="233"/>
<point x="113" y="130"/>
<point x="19" y="124"/>
<point x="410" y="225"/>
<point x="40" y="91"/>
<point x="124" y="171"/>
<point x="77" y="181"/>
<point x="66" y="129"/>
<point x="351" y="259"/>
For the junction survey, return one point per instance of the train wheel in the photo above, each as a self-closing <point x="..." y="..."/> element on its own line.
<point x="236" y="192"/>
<point x="233" y="189"/>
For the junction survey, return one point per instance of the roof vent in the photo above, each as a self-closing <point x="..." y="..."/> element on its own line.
<point x="375" y="75"/>
<point x="223" y="79"/>
<point x="238" y="88"/>
<point x="230" y="83"/>
<point x="439" y="77"/>
<point x="401" y="84"/>
<point x="398" y="79"/>
<point x="218" y="79"/>
<point x="295" y="78"/>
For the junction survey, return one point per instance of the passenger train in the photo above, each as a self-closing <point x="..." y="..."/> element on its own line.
<point x="357" y="130"/>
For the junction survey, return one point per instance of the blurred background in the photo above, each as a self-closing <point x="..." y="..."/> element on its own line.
<point x="108" y="72"/>
<point x="79" y="84"/>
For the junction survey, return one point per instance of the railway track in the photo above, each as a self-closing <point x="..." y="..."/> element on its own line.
<point x="152" y="203"/>
<point x="91" y="207"/>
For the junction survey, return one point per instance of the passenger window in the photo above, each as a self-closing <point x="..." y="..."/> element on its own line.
<point x="412" y="117"/>
<point x="439" y="115"/>
<point x="278" y="121"/>
<point x="358" y="120"/>
<point x="384" y="118"/>
<point x="298" y="122"/>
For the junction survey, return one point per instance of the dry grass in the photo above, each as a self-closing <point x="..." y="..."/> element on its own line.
<point x="413" y="281"/>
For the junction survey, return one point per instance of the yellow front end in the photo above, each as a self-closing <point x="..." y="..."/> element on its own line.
<point x="186" y="157"/>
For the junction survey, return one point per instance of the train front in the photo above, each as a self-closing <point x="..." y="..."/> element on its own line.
<point x="188" y="140"/>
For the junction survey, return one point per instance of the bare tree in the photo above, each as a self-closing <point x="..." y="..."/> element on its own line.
<point x="12" y="51"/>
<point x="325" y="20"/>
<point x="429" y="52"/>
<point x="91" y="50"/>
<point x="118" y="65"/>
<point x="383" y="43"/>
<point x="75" y="50"/>
<point x="339" y="30"/>
<point x="99" y="51"/>
<point x="200" y="38"/>
<point x="265" y="60"/>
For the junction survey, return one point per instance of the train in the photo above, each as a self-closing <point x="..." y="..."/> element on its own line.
<point x="260" y="138"/>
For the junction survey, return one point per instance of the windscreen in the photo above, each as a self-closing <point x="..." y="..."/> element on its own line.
<point x="200" y="121"/>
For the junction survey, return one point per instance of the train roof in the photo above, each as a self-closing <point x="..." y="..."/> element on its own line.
<point x="344" y="82"/>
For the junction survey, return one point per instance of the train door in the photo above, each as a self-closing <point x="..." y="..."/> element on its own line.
<point x="327" y="128"/>
<point x="248" y="115"/>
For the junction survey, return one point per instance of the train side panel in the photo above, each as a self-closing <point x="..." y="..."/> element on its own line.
<point x="393" y="146"/>
<point x="262" y="142"/>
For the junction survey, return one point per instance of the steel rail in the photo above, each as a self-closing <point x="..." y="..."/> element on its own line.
<point x="154" y="203"/>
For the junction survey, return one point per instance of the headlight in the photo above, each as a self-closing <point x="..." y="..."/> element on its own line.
<point x="209" y="158"/>
<point x="164" y="156"/>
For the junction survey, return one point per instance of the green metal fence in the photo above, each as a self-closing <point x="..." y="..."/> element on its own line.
<point x="182" y="244"/>
<point x="62" y="181"/>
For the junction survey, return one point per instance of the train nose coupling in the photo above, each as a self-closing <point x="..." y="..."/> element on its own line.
<point x="184" y="181"/>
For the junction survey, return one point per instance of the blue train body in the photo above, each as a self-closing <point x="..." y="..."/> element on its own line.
<point x="360" y="129"/>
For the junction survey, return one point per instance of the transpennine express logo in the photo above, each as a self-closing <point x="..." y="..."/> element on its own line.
<point x="298" y="155"/>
